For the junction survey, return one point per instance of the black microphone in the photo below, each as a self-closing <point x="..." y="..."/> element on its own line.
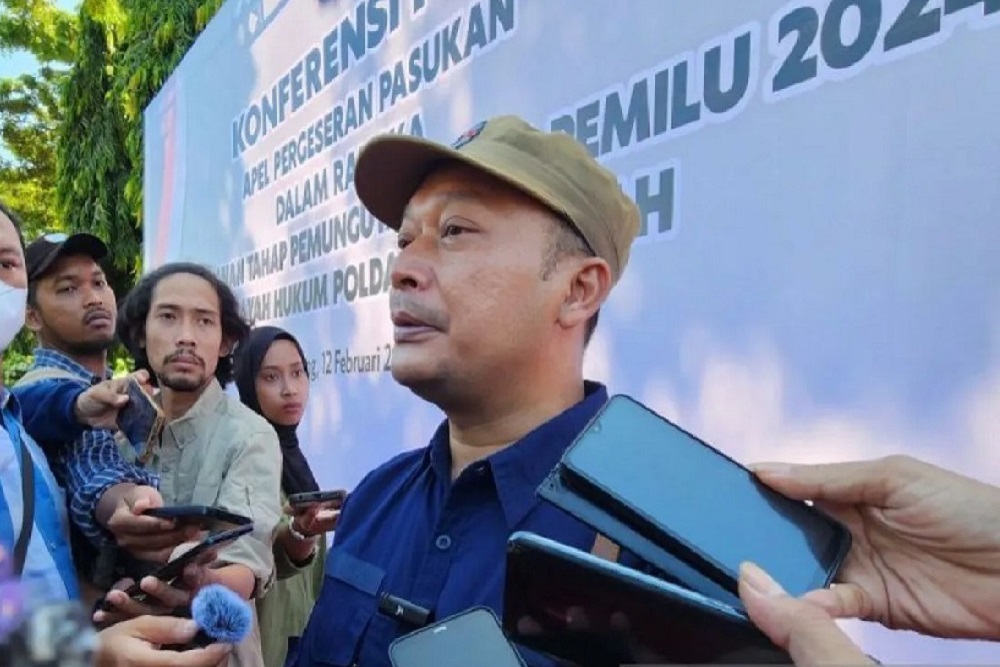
<point x="403" y="610"/>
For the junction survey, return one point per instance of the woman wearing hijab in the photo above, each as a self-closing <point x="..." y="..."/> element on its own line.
<point x="273" y="380"/>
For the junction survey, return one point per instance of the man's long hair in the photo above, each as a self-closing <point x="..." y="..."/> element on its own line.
<point x="131" y="325"/>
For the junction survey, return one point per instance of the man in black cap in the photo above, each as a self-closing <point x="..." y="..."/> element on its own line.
<point x="71" y="309"/>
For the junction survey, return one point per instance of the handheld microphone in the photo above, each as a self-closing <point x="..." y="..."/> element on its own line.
<point x="222" y="616"/>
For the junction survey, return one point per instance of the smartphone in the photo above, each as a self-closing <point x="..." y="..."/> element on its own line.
<point x="470" y="639"/>
<point x="698" y="503"/>
<point x="175" y="568"/>
<point x="212" y="519"/>
<point x="590" y="611"/>
<point x="141" y="419"/>
<point x="299" y="502"/>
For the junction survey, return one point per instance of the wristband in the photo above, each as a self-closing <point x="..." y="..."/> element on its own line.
<point x="296" y="534"/>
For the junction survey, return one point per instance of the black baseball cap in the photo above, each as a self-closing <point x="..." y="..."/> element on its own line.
<point x="48" y="248"/>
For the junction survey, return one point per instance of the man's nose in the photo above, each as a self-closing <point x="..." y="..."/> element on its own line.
<point x="413" y="268"/>
<point x="186" y="333"/>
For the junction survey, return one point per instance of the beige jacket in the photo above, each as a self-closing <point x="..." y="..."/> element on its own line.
<point x="221" y="453"/>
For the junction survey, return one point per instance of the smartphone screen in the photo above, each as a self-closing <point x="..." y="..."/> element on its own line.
<point x="140" y="418"/>
<point x="470" y="639"/>
<point x="713" y="507"/>
<point x="581" y="608"/>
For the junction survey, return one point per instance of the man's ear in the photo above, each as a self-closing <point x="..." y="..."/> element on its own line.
<point x="588" y="288"/>
<point x="227" y="348"/>
<point x="32" y="319"/>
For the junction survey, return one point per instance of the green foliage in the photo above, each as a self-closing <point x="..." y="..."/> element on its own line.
<point x="122" y="364"/>
<point x="30" y="109"/>
<point x="93" y="165"/>
<point x="15" y="365"/>
<point x="38" y="27"/>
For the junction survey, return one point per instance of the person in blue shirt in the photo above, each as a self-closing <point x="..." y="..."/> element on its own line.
<point x="39" y="547"/>
<point x="510" y="240"/>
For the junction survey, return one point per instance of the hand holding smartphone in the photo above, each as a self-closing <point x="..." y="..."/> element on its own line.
<point x="691" y="502"/>
<point x="141" y="419"/>
<point x="202" y="553"/>
<point x="300" y="503"/>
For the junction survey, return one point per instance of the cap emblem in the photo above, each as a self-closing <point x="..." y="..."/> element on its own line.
<point x="469" y="135"/>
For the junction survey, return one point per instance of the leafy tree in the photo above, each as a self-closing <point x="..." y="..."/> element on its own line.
<point x="125" y="52"/>
<point x="38" y="27"/>
<point x="30" y="112"/>
<point x="93" y="164"/>
<point x="30" y="109"/>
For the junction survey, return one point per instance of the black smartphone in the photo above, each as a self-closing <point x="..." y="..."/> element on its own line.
<point x="299" y="502"/>
<point x="698" y="503"/>
<point x="141" y="419"/>
<point x="212" y="519"/>
<point x="470" y="639"/>
<point x="175" y="568"/>
<point x="589" y="611"/>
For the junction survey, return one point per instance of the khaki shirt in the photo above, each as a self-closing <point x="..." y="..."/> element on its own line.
<point x="221" y="453"/>
<point x="284" y="612"/>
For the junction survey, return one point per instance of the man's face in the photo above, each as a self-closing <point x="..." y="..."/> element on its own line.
<point x="183" y="338"/>
<point x="74" y="308"/>
<point x="469" y="303"/>
<point x="12" y="271"/>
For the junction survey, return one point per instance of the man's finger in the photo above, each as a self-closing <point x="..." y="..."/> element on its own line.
<point x="151" y="541"/>
<point x="867" y="482"/>
<point x="843" y="601"/>
<point x="146" y="527"/>
<point x="143" y="498"/>
<point x="109" y="393"/>
<point x="163" y="629"/>
<point x="805" y="630"/>
<point x="123" y="605"/>
<point x="165" y="594"/>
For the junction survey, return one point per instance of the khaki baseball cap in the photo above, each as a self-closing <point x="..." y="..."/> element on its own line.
<point x="551" y="167"/>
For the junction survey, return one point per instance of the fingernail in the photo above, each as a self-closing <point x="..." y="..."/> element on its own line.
<point x="772" y="469"/>
<point x="760" y="582"/>
<point x="189" y="626"/>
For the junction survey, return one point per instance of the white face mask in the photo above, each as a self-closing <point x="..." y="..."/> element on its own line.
<point x="12" y="304"/>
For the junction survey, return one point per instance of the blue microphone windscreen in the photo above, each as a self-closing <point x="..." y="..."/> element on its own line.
<point x="222" y="614"/>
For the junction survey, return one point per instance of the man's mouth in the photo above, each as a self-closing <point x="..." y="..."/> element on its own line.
<point x="184" y="359"/>
<point x="402" y="319"/>
<point x="97" y="317"/>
